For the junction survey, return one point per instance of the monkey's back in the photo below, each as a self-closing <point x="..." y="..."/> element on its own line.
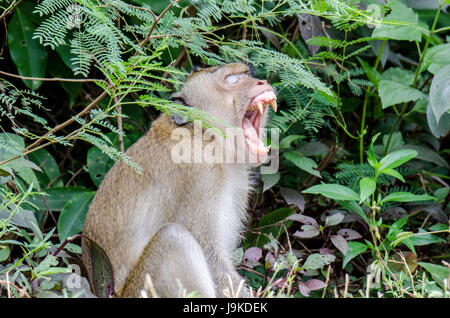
<point x="129" y="208"/>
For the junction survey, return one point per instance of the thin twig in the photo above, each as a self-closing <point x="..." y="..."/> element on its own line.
<point x="52" y="79"/>
<point x="149" y="34"/>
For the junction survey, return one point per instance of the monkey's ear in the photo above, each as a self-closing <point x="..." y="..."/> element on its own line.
<point x="179" y="99"/>
<point x="251" y="68"/>
<point x="196" y="68"/>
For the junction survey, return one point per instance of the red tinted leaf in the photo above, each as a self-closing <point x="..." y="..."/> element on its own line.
<point x="303" y="219"/>
<point x="307" y="231"/>
<point x="251" y="256"/>
<point x="304" y="290"/>
<point x="315" y="284"/>
<point x="325" y="250"/>
<point x="340" y="243"/>
<point x="292" y="196"/>
<point x="349" y="234"/>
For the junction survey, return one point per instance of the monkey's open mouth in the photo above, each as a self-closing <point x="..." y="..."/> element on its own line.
<point x="251" y="123"/>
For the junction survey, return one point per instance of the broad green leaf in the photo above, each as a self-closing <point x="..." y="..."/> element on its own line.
<point x="333" y="191"/>
<point x="367" y="186"/>
<point x="269" y="180"/>
<point x="20" y="217"/>
<point x="302" y="162"/>
<point x="73" y="214"/>
<point x="396" y="158"/>
<point x="401" y="14"/>
<point x="440" y="92"/>
<point x="399" y="75"/>
<point x="318" y="261"/>
<point x="57" y="197"/>
<point x="4" y="252"/>
<point x="427" y="154"/>
<point x="352" y="206"/>
<point x="286" y="141"/>
<point x="396" y="141"/>
<point x="27" y="54"/>
<point x="353" y="250"/>
<point x="438" y="129"/>
<point x="12" y="145"/>
<point x="392" y="93"/>
<point x="424" y="239"/>
<point x="314" y="148"/>
<point x="394" y="173"/>
<point x="406" y="197"/>
<point x="48" y="165"/>
<point x="276" y="230"/>
<point x="436" y="57"/>
<point x="439" y="273"/>
<point x="334" y="219"/>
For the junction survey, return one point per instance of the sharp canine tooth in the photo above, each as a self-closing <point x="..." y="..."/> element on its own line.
<point x="261" y="108"/>
<point x="273" y="103"/>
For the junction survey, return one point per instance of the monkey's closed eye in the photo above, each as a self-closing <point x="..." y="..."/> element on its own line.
<point x="233" y="78"/>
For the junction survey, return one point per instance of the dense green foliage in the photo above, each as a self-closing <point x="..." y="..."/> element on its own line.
<point x="360" y="204"/>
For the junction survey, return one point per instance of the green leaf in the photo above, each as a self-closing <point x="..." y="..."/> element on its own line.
<point x="394" y="173"/>
<point x="269" y="180"/>
<point x="4" y="252"/>
<point x="424" y="239"/>
<point x="406" y="197"/>
<point x="302" y="162"/>
<point x="427" y="154"/>
<point x="399" y="75"/>
<point x="392" y="93"/>
<point x="436" y="57"/>
<point x="286" y="141"/>
<point x="367" y="187"/>
<point x="438" y="129"/>
<point x="396" y="158"/>
<point x="333" y="191"/>
<point x="439" y="93"/>
<point x="57" y="197"/>
<point x="73" y="214"/>
<point x="318" y="261"/>
<point x="48" y="165"/>
<point x="354" y="249"/>
<point x="370" y="154"/>
<point x="438" y="272"/>
<point x="276" y="230"/>
<point x="352" y="206"/>
<point x="400" y="14"/>
<point x="372" y="74"/>
<point x="27" y="54"/>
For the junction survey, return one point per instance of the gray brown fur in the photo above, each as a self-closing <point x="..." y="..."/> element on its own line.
<point x="178" y="222"/>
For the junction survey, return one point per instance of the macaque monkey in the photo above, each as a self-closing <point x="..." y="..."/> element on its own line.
<point x="181" y="222"/>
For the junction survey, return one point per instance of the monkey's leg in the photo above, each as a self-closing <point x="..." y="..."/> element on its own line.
<point x="172" y="257"/>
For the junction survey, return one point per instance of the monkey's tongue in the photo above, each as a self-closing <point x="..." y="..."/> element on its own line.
<point x="252" y="138"/>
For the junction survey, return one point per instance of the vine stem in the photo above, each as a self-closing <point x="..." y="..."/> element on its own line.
<point x="366" y="100"/>
<point x="416" y="77"/>
<point x="155" y="23"/>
